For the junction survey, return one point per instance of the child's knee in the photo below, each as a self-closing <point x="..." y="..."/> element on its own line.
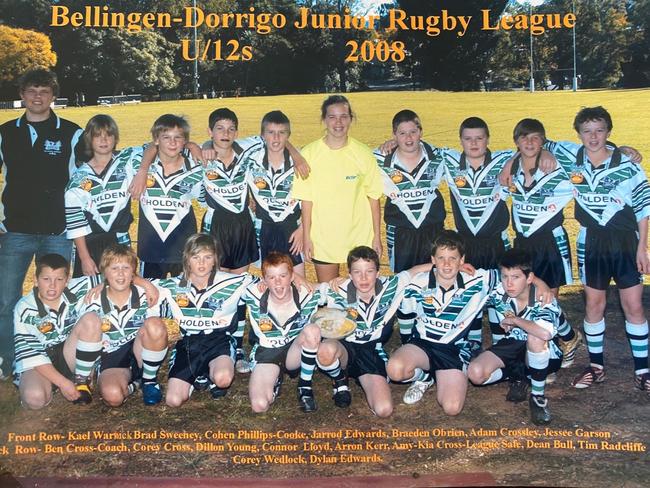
<point x="112" y="395"/>
<point x="452" y="407"/>
<point x="383" y="409"/>
<point x="35" y="399"/>
<point x="476" y="373"/>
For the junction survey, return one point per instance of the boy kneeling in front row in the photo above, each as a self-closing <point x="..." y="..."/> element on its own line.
<point x="286" y="341"/>
<point x="55" y="348"/>
<point x="530" y="329"/>
<point x="134" y="344"/>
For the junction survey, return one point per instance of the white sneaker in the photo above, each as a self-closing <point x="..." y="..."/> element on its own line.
<point x="242" y="365"/>
<point x="416" y="391"/>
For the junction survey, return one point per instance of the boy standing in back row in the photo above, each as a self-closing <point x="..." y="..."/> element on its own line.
<point x="612" y="205"/>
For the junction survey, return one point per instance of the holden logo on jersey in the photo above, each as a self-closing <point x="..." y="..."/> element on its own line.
<point x="396" y="176"/>
<point x="265" y="324"/>
<point x="151" y="180"/>
<point x="106" y="323"/>
<point x="577" y="178"/>
<point x="461" y="181"/>
<point x="86" y="184"/>
<point x="45" y="327"/>
<point x="211" y="175"/>
<point x="260" y="183"/>
<point x="52" y="148"/>
<point x="182" y="300"/>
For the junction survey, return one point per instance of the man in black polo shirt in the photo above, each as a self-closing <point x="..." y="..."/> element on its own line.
<point x="37" y="152"/>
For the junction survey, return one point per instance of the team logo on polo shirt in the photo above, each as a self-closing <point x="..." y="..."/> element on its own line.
<point x="211" y="175"/>
<point x="151" y="180"/>
<point x="396" y="176"/>
<point x="512" y="188"/>
<point x="53" y="148"/>
<point x="260" y="183"/>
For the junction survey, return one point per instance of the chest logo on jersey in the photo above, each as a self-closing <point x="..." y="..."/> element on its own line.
<point x="106" y="323"/>
<point x="86" y="184"/>
<point x="214" y="303"/>
<point x="151" y="180"/>
<point x="53" y="148"/>
<point x="460" y="181"/>
<point x="45" y="327"/>
<point x="512" y="188"/>
<point x="576" y="177"/>
<point x="260" y="183"/>
<point x="265" y="324"/>
<point x="396" y="176"/>
<point x="182" y="299"/>
<point x="211" y="175"/>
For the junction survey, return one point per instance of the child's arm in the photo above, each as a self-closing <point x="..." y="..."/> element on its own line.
<point x="547" y="163"/>
<point x="296" y="239"/>
<point x="139" y="182"/>
<point x="88" y="266"/>
<point x="299" y="163"/>
<point x="67" y="387"/>
<point x="307" y="244"/>
<point x="529" y="326"/>
<point x="642" y="259"/>
<point x="375" y="209"/>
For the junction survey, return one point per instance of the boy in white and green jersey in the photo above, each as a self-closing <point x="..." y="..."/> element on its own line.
<point x="371" y="301"/>
<point x="530" y="330"/>
<point x="612" y="206"/>
<point x="538" y="201"/>
<point x="204" y="302"/>
<point x="134" y="339"/>
<point x="55" y="345"/>
<point x="271" y="172"/>
<point x="415" y="211"/>
<point x="285" y="340"/>
<point x="166" y="215"/>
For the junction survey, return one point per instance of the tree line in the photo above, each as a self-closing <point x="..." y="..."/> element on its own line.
<point x="612" y="49"/>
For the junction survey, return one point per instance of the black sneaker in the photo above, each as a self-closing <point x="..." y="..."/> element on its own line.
<point x="518" y="391"/>
<point x="277" y="387"/>
<point x="306" y="399"/>
<point x="217" y="392"/>
<point x="539" y="412"/>
<point x="201" y="383"/>
<point x="342" y="397"/>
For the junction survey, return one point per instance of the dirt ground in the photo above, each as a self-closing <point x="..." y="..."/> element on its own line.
<point x="598" y="437"/>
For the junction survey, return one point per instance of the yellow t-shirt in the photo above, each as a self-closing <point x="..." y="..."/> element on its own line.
<point x="340" y="182"/>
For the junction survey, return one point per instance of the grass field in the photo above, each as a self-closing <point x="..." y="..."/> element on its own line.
<point x="613" y="407"/>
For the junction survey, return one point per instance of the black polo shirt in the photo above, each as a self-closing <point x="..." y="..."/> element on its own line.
<point x="37" y="160"/>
